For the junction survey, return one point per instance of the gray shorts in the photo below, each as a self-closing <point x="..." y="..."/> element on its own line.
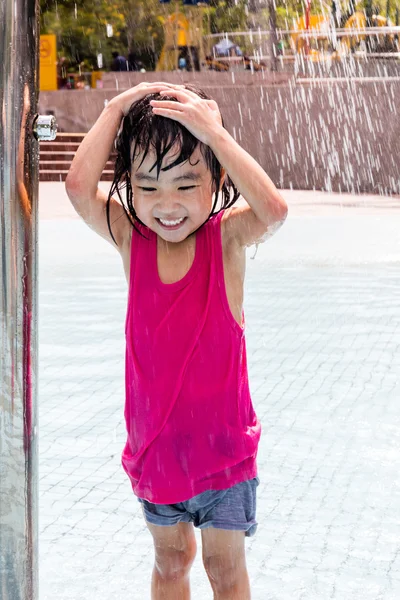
<point x="233" y="508"/>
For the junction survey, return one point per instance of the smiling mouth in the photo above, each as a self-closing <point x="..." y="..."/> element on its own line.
<point x="171" y="224"/>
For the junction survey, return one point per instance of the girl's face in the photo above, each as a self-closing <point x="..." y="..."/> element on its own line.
<point x="179" y="201"/>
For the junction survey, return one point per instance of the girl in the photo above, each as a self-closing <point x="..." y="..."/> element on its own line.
<point x="192" y="433"/>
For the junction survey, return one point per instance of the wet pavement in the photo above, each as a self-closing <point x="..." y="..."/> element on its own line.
<point x="322" y="306"/>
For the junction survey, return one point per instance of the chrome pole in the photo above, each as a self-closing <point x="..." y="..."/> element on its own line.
<point x="19" y="38"/>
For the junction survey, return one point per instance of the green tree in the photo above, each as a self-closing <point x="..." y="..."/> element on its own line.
<point x="227" y="16"/>
<point x="80" y="25"/>
<point x="81" y="28"/>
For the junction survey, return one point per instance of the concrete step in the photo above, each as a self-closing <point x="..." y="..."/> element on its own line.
<point x="61" y="175"/>
<point x="65" y="165"/>
<point x="63" y="155"/>
<point x="45" y="156"/>
<point x="59" y="146"/>
<point x="68" y="137"/>
<point x="56" y="157"/>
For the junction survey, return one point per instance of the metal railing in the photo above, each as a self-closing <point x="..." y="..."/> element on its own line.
<point x="256" y="41"/>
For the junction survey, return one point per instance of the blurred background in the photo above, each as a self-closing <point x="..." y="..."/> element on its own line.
<point x="328" y="73"/>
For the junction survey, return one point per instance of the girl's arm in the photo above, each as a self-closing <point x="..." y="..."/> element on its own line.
<point x="84" y="175"/>
<point x="266" y="210"/>
<point x="82" y="180"/>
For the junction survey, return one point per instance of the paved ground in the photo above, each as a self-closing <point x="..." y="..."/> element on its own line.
<point x="323" y="336"/>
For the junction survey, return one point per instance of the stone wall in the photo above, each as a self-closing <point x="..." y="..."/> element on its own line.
<point x="336" y="135"/>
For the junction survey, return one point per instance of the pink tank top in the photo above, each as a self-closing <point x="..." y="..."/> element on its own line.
<point x="189" y="416"/>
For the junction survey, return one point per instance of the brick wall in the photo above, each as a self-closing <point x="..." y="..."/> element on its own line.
<point x="338" y="135"/>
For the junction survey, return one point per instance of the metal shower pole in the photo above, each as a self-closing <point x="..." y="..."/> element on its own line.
<point x="19" y="40"/>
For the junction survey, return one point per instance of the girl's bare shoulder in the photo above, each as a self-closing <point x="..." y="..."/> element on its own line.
<point x="234" y="262"/>
<point x="125" y="250"/>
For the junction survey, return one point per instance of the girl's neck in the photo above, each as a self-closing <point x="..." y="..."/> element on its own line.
<point x="166" y="246"/>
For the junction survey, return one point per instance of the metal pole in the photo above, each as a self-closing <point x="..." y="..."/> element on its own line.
<point x="19" y="37"/>
<point x="273" y="38"/>
<point x="368" y="15"/>
<point x="387" y="37"/>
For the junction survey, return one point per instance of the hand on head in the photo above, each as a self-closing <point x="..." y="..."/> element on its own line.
<point x="200" y="116"/>
<point x="125" y="100"/>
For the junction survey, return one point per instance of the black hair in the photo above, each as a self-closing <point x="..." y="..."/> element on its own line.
<point x="142" y="129"/>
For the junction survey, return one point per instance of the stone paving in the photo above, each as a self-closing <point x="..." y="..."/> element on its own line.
<point x="322" y="305"/>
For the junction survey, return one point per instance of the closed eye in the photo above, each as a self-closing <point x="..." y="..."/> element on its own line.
<point x="186" y="187"/>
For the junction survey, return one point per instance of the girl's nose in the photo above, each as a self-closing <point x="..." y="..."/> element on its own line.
<point x="169" y="207"/>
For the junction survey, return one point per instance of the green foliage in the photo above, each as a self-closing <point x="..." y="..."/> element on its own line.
<point x="81" y="29"/>
<point x="143" y="26"/>
<point x="288" y="11"/>
<point x="225" y="16"/>
<point x="80" y="25"/>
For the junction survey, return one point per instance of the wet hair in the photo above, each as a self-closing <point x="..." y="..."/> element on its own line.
<point x="143" y="131"/>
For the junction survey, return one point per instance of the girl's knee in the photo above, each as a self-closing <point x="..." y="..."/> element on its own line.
<point x="175" y="549"/>
<point x="224" y="574"/>
<point x="224" y="558"/>
<point x="173" y="564"/>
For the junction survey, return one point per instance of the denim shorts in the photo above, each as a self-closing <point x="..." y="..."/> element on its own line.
<point x="233" y="508"/>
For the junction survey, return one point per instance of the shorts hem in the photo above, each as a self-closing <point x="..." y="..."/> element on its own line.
<point x="231" y="527"/>
<point x="165" y="523"/>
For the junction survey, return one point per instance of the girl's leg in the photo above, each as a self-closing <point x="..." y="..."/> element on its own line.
<point x="225" y="563"/>
<point x="175" y="550"/>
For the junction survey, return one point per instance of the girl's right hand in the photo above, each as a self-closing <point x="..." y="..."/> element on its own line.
<point x="125" y="100"/>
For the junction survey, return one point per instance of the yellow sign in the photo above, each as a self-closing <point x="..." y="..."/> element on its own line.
<point x="96" y="79"/>
<point x="48" y="62"/>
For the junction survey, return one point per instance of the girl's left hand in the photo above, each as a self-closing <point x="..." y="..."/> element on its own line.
<point x="201" y="117"/>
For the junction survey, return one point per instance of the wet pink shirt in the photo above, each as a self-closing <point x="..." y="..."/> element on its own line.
<point x="189" y="416"/>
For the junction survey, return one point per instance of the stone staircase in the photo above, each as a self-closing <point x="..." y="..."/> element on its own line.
<point x="56" y="157"/>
